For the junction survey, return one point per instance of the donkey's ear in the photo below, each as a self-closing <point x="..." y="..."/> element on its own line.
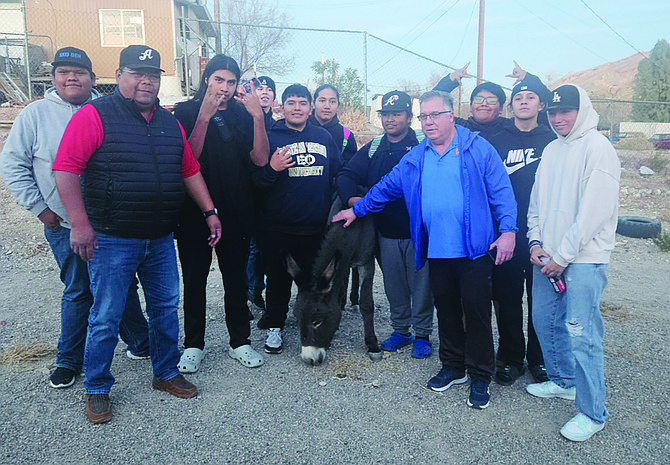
<point x="291" y="265"/>
<point x="324" y="283"/>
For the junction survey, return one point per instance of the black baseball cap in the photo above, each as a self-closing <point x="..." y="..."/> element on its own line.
<point x="565" y="97"/>
<point x="530" y="86"/>
<point x="267" y="81"/>
<point x="396" y="101"/>
<point x="140" y="56"/>
<point x="72" y="56"/>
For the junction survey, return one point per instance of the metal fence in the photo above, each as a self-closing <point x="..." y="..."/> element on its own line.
<point x="367" y="65"/>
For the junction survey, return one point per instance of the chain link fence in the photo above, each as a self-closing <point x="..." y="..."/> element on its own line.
<point x="363" y="66"/>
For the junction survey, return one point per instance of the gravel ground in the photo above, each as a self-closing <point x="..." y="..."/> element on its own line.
<point x="286" y="412"/>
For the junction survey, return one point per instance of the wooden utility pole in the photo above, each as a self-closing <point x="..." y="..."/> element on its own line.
<point x="480" y="48"/>
<point x="218" y="26"/>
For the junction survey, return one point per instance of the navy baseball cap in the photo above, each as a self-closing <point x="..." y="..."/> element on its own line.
<point x="396" y="101"/>
<point x="72" y="56"/>
<point x="140" y="56"/>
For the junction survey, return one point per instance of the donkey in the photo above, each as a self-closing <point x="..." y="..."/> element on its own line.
<point x="317" y="304"/>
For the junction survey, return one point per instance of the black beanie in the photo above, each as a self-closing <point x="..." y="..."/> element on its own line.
<point x="267" y="81"/>
<point x="495" y="89"/>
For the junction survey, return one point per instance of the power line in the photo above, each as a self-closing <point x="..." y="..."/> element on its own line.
<point x="419" y="35"/>
<point x="612" y="29"/>
<point x="562" y="33"/>
<point x="472" y="13"/>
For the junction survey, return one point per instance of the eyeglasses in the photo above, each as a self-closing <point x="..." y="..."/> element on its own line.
<point x="433" y="116"/>
<point x="154" y="78"/>
<point x="479" y="99"/>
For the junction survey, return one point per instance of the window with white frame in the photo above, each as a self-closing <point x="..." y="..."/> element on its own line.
<point x="120" y="28"/>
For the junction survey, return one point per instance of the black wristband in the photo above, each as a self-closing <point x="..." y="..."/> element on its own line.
<point x="209" y="213"/>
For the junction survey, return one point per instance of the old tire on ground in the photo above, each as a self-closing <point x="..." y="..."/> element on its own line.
<point x="638" y="226"/>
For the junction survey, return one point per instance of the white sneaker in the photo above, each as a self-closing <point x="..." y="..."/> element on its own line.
<point x="273" y="341"/>
<point x="132" y="356"/>
<point x="550" y="389"/>
<point x="580" y="428"/>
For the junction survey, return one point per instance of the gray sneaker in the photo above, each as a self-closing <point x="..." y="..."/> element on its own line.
<point x="273" y="341"/>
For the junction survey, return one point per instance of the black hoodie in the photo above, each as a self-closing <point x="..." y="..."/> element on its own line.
<point x="297" y="200"/>
<point x="365" y="171"/>
<point x="521" y="153"/>
<point x="336" y="130"/>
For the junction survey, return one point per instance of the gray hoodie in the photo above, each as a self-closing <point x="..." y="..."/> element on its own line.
<point x="30" y="150"/>
<point x="574" y="203"/>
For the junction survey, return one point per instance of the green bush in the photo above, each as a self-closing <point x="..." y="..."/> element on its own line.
<point x="659" y="161"/>
<point x="662" y="241"/>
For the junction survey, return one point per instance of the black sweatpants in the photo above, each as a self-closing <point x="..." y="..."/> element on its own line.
<point x="508" y="286"/>
<point x="195" y="256"/>
<point x="461" y="286"/>
<point x="273" y="244"/>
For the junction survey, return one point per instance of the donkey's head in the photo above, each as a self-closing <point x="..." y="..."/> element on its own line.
<point x="317" y="309"/>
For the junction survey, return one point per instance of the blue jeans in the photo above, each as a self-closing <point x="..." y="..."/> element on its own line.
<point x="570" y="329"/>
<point x="254" y="276"/>
<point x="77" y="301"/>
<point x="115" y="263"/>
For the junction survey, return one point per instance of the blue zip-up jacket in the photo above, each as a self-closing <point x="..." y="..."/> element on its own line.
<point x="487" y="194"/>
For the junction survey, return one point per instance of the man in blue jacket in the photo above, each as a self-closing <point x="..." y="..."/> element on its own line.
<point x="455" y="185"/>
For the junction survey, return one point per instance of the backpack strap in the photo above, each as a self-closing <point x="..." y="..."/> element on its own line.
<point x="375" y="145"/>
<point x="347" y="133"/>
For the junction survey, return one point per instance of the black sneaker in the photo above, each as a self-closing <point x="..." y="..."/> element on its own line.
<point x="479" y="394"/>
<point x="508" y="374"/>
<point x="446" y="378"/>
<point x="258" y="302"/>
<point x="539" y="373"/>
<point x="62" y="378"/>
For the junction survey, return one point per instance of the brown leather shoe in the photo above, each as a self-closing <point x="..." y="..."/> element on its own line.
<point x="177" y="386"/>
<point x="98" y="408"/>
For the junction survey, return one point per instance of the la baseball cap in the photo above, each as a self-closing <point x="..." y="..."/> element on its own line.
<point x="396" y="101"/>
<point x="140" y="56"/>
<point x="565" y="97"/>
<point x="72" y="56"/>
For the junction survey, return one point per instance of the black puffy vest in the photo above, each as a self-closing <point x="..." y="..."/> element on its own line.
<point x="132" y="184"/>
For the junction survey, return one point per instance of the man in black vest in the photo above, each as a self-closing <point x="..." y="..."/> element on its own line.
<point x="134" y="162"/>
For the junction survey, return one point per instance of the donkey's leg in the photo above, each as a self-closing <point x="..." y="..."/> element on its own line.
<point x="367" y="273"/>
<point x="355" y="285"/>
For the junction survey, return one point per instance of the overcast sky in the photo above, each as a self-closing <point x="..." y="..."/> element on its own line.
<point x="544" y="36"/>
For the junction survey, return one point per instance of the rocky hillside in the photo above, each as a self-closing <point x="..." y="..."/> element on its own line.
<point x="609" y="80"/>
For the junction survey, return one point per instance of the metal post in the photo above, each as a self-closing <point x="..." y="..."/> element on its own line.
<point x="26" y="55"/>
<point x="612" y="121"/>
<point x="365" y="74"/>
<point x="480" y="48"/>
<point x="187" y="77"/>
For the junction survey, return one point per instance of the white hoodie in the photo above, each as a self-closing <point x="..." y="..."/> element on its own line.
<point x="575" y="199"/>
<point x="30" y="150"/>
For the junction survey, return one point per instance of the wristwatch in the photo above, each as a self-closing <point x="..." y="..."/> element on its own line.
<point x="209" y="213"/>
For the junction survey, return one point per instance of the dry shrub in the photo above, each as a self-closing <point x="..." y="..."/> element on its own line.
<point x="615" y="312"/>
<point x="665" y="215"/>
<point x="634" y="143"/>
<point x="26" y="351"/>
<point x="353" y="119"/>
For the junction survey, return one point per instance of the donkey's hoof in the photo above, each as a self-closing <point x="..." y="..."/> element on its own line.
<point x="376" y="356"/>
